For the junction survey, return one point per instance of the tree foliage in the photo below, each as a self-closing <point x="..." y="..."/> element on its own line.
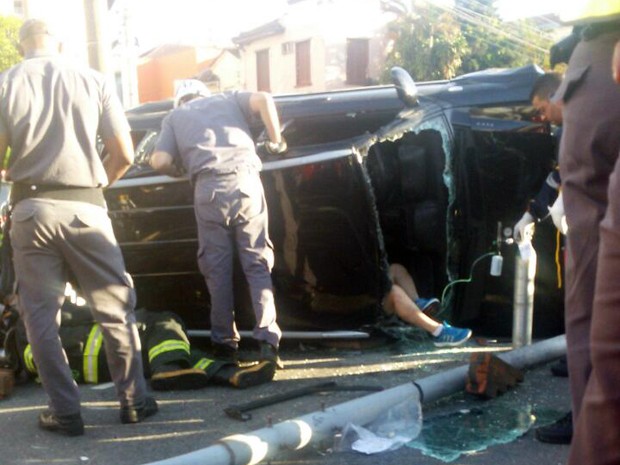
<point x="433" y="42"/>
<point x="9" y="29"/>
<point x="427" y="43"/>
<point x="496" y="44"/>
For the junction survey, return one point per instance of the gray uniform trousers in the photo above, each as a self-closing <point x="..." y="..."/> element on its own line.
<point x="50" y="240"/>
<point x="588" y="152"/>
<point x="597" y="433"/>
<point x="596" y="439"/>
<point x="231" y="212"/>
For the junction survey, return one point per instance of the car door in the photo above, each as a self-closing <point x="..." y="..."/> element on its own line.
<point x="499" y="165"/>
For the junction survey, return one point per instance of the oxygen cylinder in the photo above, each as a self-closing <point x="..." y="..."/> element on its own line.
<point x="523" y="303"/>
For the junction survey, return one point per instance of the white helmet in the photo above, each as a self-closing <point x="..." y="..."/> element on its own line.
<point x="189" y="89"/>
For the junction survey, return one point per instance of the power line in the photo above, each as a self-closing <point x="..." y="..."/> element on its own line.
<point x="485" y="21"/>
<point x="470" y="17"/>
<point x="524" y="24"/>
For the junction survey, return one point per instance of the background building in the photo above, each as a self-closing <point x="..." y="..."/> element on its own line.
<point x="281" y="46"/>
<point x="317" y="45"/>
<point x="160" y="68"/>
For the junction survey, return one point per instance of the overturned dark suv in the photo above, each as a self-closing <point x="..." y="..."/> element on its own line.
<point x="432" y="176"/>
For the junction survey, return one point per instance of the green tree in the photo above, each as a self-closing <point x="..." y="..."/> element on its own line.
<point x="9" y="30"/>
<point x="427" y="43"/>
<point x="433" y="42"/>
<point x="527" y="44"/>
<point x="480" y="26"/>
<point x="496" y="44"/>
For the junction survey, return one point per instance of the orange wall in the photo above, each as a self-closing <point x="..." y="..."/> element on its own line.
<point x="157" y="75"/>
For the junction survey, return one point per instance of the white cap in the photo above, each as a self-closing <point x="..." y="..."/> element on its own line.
<point x="190" y="87"/>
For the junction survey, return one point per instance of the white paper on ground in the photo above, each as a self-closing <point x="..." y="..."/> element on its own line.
<point x="369" y="443"/>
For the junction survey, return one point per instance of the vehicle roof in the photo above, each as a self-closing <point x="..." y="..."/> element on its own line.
<point x="492" y="86"/>
<point x="488" y="87"/>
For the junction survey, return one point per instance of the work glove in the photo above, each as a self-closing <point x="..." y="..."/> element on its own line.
<point x="275" y="148"/>
<point x="524" y="229"/>
<point x="558" y="216"/>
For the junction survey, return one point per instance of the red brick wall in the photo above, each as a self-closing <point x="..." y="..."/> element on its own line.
<point x="156" y="76"/>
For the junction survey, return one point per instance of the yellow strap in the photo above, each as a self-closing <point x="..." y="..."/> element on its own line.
<point x="29" y="360"/>
<point x="558" y="263"/>
<point x="91" y="355"/>
<point x="168" y="346"/>
<point x="203" y="363"/>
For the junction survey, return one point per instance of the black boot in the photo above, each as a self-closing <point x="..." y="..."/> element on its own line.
<point x="560" y="368"/>
<point x="225" y="353"/>
<point x="560" y="432"/>
<point x="137" y="413"/>
<point x="269" y="353"/>
<point x="69" y="425"/>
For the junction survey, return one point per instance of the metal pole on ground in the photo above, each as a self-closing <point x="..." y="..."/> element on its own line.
<point x="264" y="444"/>
<point x="293" y="335"/>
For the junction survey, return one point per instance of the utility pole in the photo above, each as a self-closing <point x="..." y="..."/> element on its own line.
<point x="129" y="46"/>
<point x="96" y="37"/>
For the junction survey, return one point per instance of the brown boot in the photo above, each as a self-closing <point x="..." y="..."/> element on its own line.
<point x="176" y="378"/>
<point x="69" y="425"/>
<point x="261" y="373"/>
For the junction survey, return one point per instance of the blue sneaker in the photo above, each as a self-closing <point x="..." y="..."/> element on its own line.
<point x="451" y="336"/>
<point x="429" y="306"/>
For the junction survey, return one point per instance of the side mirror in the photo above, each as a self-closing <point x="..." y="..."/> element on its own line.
<point x="405" y="86"/>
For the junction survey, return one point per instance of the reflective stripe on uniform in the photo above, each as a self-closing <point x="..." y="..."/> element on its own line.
<point x="203" y="363"/>
<point x="29" y="360"/>
<point x="91" y="355"/>
<point x="168" y="346"/>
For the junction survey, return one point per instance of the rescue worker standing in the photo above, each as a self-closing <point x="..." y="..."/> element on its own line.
<point x="548" y="202"/>
<point x="209" y="136"/>
<point x="597" y="430"/>
<point x="50" y="115"/>
<point x="588" y="152"/>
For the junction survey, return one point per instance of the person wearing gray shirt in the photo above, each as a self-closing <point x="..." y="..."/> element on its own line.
<point x="208" y="137"/>
<point x="51" y="113"/>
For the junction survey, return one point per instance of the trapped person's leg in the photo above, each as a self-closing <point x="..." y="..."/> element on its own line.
<point x="403" y="279"/>
<point x="400" y="276"/>
<point x="399" y="302"/>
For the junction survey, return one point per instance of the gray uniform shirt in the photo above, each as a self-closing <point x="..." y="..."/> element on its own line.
<point x="211" y="134"/>
<point x="51" y="111"/>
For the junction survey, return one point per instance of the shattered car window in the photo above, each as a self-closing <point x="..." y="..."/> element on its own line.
<point x="145" y="147"/>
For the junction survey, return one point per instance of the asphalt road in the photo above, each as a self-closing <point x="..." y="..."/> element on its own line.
<point x="193" y="420"/>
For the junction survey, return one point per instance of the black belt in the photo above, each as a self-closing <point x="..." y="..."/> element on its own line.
<point x="215" y="174"/>
<point x="22" y="191"/>
<point x="211" y="174"/>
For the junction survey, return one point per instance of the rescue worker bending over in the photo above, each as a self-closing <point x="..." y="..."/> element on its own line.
<point x="208" y="137"/>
